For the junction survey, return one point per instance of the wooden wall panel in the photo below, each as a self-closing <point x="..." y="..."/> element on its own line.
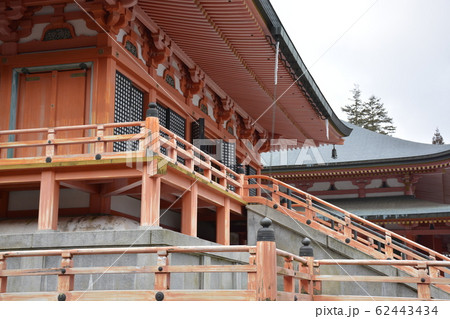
<point x="430" y="187"/>
<point x="34" y="109"/>
<point x="71" y="100"/>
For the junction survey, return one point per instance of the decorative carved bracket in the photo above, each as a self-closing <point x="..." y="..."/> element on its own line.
<point x="10" y="10"/>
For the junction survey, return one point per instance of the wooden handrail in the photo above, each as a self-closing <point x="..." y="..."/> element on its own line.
<point x="357" y="223"/>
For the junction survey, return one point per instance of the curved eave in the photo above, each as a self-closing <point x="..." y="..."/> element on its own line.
<point x="295" y="61"/>
<point x="437" y="159"/>
<point x="232" y="44"/>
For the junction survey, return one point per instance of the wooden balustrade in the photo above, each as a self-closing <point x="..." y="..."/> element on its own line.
<point x="340" y="224"/>
<point x="301" y="276"/>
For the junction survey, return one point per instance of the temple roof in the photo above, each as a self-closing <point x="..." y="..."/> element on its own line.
<point x="396" y="206"/>
<point x="362" y="147"/>
<point x="233" y="42"/>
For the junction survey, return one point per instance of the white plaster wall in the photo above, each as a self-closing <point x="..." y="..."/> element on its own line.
<point x="376" y="183"/>
<point x="36" y="33"/>
<point x="345" y="185"/>
<point x="160" y="70"/>
<point x="196" y="99"/>
<point x="127" y="205"/>
<point x="72" y="198"/>
<point x="72" y="7"/>
<point x="393" y="182"/>
<point x="29" y="199"/>
<point x="81" y="28"/>
<point x="23" y="200"/>
<point x="319" y="186"/>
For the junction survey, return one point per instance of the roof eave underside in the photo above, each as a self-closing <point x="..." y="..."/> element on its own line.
<point x="296" y="63"/>
<point x="230" y="44"/>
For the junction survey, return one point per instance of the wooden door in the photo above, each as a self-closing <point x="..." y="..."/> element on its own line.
<point x="51" y="99"/>
<point x="34" y="109"/>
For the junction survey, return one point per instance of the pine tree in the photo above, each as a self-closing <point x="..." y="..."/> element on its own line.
<point x="370" y="115"/>
<point x="376" y="118"/>
<point x="354" y="110"/>
<point x="437" y="138"/>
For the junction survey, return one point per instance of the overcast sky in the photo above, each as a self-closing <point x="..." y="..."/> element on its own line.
<point x="398" y="50"/>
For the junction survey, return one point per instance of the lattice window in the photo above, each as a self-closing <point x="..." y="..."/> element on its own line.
<point x="127" y="108"/>
<point x="57" y="34"/>
<point x="251" y="171"/>
<point x="132" y="48"/>
<point x="173" y="122"/>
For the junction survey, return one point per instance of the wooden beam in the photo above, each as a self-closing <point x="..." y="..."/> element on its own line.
<point x="98" y="174"/>
<point x="150" y="198"/>
<point x="223" y="223"/>
<point x="189" y="211"/>
<point x="16" y="179"/>
<point x="81" y="186"/>
<point x="48" y="201"/>
<point x="118" y="188"/>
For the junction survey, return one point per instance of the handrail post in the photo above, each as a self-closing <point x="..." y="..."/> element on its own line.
<point x="433" y="271"/>
<point x="152" y="141"/>
<point x="266" y="263"/>
<point x="50" y="148"/>
<point x="423" y="288"/>
<point x="3" y="279"/>
<point x="347" y="229"/>
<point x="65" y="282"/>
<point x="162" y="277"/>
<point x="307" y="252"/>
<point x="100" y="145"/>
<point x="308" y="211"/>
<point x="275" y="196"/>
<point x="388" y="250"/>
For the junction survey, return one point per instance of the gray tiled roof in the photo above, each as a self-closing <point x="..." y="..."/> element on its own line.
<point x="390" y="206"/>
<point x="362" y="145"/>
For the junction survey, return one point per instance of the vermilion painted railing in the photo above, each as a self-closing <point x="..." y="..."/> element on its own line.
<point x="97" y="141"/>
<point x="339" y="223"/>
<point x="301" y="278"/>
<point x="334" y="221"/>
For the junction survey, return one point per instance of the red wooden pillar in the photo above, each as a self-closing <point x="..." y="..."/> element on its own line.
<point x="189" y="206"/>
<point x="48" y="202"/>
<point x="150" y="197"/>
<point x="223" y="223"/>
<point x="266" y="263"/>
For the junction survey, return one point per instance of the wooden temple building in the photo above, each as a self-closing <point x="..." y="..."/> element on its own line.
<point x="135" y="127"/>
<point x="401" y="185"/>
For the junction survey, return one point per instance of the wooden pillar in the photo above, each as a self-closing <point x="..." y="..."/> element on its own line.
<point x="150" y="197"/>
<point x="223" y="223"/>
<point x="189" y="207"/>
<point x="266" y="263"/>
<point x="3" y="280"/>
<point x="4" y="198"/>
<point x="48" y="202"/>
<point x="99" y="204"/>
